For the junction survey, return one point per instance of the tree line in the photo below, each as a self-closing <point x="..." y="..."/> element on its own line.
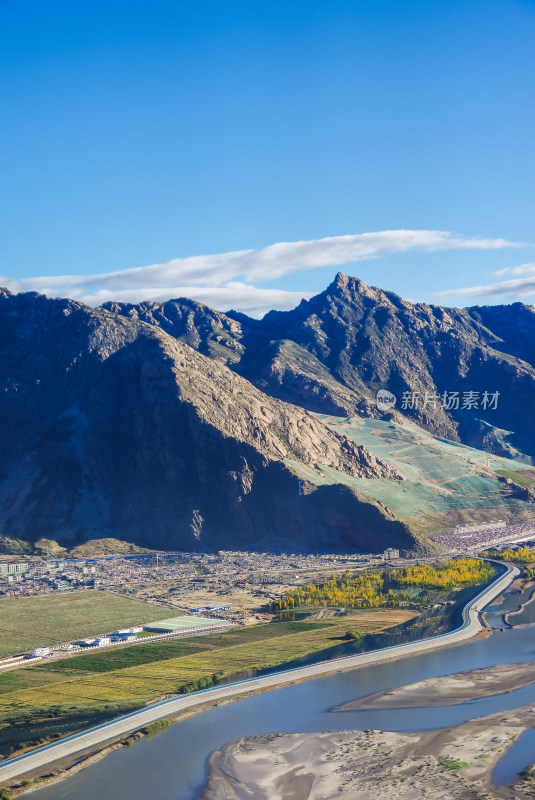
<point x="522" y="555"/>
<point x="388" y="588"/>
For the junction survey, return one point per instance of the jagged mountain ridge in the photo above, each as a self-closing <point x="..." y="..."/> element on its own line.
<point x="333" y="353"/>
<point x="115" y="428"/>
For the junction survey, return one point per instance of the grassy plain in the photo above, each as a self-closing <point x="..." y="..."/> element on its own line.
<point x="43" y="621"/>
<point x="125" y="678"/>
<point x="525" y="477"/>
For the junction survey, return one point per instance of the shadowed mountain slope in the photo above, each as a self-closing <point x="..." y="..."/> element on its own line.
<point x="112" y="427"/>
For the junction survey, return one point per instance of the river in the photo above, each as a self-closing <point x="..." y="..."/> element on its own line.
<point x="171" y="766"/>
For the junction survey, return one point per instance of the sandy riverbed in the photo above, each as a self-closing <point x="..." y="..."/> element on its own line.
<point x="361" y="765"/>
<point x="448" y="689"/>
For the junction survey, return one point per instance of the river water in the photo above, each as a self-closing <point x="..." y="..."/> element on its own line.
<point x="172" y="765"/>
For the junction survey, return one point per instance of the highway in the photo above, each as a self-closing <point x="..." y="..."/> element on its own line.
<point x="43" y="756"/>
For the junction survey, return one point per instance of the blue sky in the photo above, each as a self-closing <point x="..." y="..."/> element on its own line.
<point x="141" y="134"/>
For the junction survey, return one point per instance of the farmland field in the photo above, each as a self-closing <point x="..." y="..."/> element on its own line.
<point x="44" y="621"/>
<point x="129" y="677"/>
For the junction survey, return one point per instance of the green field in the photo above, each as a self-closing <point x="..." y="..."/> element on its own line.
<point x="525" y="477"/>
<point x="43" y="696"/>
<point x="176" y="624"/>
<point x="28" y="622"/>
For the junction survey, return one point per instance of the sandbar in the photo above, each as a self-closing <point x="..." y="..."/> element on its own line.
<point x="453" y="763"/>
<point x="448" y="690"/>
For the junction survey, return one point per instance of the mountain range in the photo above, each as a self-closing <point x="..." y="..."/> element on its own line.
<point x="172" y="425"/>
<point x="333" y="353"/>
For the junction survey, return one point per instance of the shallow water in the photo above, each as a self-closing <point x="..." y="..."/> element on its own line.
<point x="527" y="615"/>
<point x="512" y="601"/>
<point x="516" y="759"/>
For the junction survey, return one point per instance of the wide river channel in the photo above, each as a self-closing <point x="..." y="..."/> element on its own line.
<point x="172" y="765"/>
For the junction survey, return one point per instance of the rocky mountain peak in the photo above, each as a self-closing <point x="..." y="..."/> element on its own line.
<point x="351" y="291"/>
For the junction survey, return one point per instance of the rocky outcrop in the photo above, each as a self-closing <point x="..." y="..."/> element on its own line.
<point x="210" y="332"/>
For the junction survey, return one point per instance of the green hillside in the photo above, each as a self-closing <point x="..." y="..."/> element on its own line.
<point x="445" y="482"/>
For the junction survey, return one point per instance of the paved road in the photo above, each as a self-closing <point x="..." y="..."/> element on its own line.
<point x="138" y="719"/>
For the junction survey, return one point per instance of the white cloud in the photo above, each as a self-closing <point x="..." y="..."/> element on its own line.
<point x="522" y="269"/>
<point x="250" y="300"/>
<point x="518" y="289"/>
<point x="226" y="280"/>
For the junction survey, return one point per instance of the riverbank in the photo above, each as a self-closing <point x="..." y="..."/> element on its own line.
<point x="72" y="765"/>
<point x="457" y="762"/>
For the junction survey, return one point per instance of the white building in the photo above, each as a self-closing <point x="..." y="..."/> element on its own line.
<point x="102" y="641"/>
<point x="477" y="527"/>
<point x="40" y="652"/>
<point x="127" y="631"/>
<point x="123" y="636"/>
<point x="13" y="568"/>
